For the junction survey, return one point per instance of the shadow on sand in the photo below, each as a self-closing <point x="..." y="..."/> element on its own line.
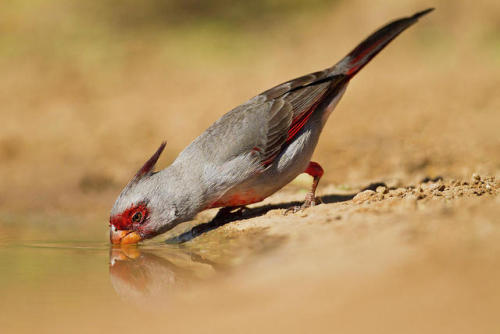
<point x="224" y="217"/>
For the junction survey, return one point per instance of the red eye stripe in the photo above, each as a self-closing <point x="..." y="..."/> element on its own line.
<point x="123" y="221"/>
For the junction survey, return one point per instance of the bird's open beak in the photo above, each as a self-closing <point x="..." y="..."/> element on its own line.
<point x="123" y="237"/>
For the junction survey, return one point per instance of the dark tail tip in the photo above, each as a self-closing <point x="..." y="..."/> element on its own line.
<point x="372" y="45"/>
<point x="422" y="13"/>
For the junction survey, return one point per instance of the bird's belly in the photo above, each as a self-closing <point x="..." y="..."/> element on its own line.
<point x="238" y="198"/>
<point x="290" y="163"/>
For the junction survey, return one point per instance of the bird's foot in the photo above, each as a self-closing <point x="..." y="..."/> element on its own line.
<point x="310" y="201"/>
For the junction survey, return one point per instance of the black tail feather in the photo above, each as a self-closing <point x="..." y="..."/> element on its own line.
<point x="372" y="45"/>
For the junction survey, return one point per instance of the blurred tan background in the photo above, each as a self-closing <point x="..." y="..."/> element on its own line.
<point x="89" y="89"/>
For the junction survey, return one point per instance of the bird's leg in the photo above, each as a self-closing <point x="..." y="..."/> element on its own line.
<point x="316" y="171"/>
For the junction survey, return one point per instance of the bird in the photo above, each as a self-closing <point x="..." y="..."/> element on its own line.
<point x="248" y="154"/>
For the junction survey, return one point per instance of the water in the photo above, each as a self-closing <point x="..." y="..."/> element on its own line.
<point x="56" y="284"/>
<point x="134" y="274"/>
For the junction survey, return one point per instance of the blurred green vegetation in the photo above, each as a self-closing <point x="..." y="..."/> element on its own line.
<point x="51" y="29"/>
<point x="132" y="14"/>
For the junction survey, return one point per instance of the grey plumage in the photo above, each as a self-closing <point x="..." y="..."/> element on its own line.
<point x="250" y="152"/>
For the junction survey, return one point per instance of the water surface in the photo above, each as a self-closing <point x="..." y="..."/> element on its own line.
<point x="66" y="285"/>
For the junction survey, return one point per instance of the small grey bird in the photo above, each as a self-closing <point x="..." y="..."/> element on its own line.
<point x="248" y="154"/>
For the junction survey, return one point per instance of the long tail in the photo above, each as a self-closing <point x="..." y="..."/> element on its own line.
<point x="370" y="47"/>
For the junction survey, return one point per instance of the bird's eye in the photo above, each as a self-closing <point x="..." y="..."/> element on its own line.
<point x="137" y="217"/>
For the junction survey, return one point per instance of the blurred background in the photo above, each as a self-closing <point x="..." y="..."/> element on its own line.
<point x="89" y="89"/>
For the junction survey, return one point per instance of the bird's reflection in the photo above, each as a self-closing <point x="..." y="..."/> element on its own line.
<point x="144" y="275"/>
<point x="149" y="273"/>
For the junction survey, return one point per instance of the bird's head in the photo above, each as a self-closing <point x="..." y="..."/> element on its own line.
<point x="140" y="212"/>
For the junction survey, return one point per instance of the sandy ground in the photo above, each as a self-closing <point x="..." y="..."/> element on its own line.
<point x="403" y="258"/>
<point x="411" y="259"/>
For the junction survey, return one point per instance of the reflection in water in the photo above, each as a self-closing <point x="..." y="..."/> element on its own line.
<point x="146" y="275"/>
<point x="152" y="274"/>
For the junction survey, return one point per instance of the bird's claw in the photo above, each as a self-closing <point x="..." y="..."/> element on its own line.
<point x="310" y="201"/>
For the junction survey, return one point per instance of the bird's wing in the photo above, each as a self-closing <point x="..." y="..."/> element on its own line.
<point x="294" y="101"/>
<point x="261" y="128"/>
<point x="297" y="99"/>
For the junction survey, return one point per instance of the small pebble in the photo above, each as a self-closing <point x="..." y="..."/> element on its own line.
<point x="476" y="177"/>
<point x="382" y="190"/>
<point x="363" y="196"/>
<point x="399" y="191"/>
<point x="431" y="187"/>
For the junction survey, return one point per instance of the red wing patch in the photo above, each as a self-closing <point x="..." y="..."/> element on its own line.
<point x="297" y="124"/>
<point x="299" y="121"/>
<point x="357" y="62"/>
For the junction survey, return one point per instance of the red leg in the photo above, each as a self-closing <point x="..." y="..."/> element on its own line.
<point x="314" y="169"/>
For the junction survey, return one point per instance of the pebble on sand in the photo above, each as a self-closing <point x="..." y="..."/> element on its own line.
<point x="363" y="196"/>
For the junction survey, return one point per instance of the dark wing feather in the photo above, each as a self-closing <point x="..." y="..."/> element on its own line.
<point x="262" y="124"/>
<point x="268" y="122"/>
<point x="305" y="93"/>
<point x="293" y="103"/>
<point x="279" y="119"/>
<point x="294" y="84"/>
